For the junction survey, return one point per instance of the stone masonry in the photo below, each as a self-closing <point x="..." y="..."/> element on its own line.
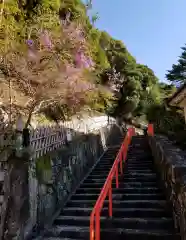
<point x="170" y="162"/>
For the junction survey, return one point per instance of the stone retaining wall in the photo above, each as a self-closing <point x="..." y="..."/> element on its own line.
<point x="60" y="172"/>
<point x="66" y="168"/>
<point x="170" y="162"/>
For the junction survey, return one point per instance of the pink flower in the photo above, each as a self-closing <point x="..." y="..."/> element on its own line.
<point x="71" y="71"/>
<point x="90" y="62"/>
<point x="45" y="39"/>
<point x="31" y="54"/>
<point x="30" y="43"/>
<point x="78" y="59"/>
<point x="83" y="61"/>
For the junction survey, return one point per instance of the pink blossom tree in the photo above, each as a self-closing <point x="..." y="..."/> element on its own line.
<point x="52" y="69"/>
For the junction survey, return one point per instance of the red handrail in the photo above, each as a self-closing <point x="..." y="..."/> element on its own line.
<point x="150" y="129"/>
<point x="107" y="188"/>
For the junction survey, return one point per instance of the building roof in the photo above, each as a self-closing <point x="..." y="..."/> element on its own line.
<point x="178" y="96"/>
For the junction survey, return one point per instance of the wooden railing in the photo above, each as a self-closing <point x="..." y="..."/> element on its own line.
<point x="107" y="188"/>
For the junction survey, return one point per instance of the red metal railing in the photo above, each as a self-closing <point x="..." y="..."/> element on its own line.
<point x="107" y="188"/>
<point x="150" y="130"/>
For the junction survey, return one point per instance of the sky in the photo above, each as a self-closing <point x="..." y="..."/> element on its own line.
<point x="152" y="30"/>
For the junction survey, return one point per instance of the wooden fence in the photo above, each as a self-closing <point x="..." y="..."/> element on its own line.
<point x="48" y="138"/>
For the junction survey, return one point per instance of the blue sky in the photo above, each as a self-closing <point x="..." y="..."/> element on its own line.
<point x="152" y="30"/>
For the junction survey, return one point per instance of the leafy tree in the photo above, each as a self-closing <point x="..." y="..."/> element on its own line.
<point x="167" y="90"/>
<point x="49" y="62"/>
<point x="177" y="74"/>
<point x="89" y="58"/>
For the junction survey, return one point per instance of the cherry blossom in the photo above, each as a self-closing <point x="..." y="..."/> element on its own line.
<point x="45" y="39"/>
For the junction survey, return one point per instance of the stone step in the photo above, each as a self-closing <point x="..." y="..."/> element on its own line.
<point x="109" y="155"/>
<point x="121" y="184"/>
<point x="111" y="152"/>
<point x="139" y="175"/>
<point x="143" y="171"/>
<point x="128" y="174"/>
<point x="105" y="172"/>
<point x="136" y="150"/>
<point x="137" y="196"/>
<point x="104" y="165"/>
<point x="141" y="157"/>
<point x="107" y="160"/>
<point x="144" y="150"/>
<point x="109" y="234"/>
<point x="133" y="154"/>
<point x="121" y="190"/>
<point x="122" y="203"/>
<point x="131" y="196"/>
<point x="129" y="223"/>
<point x="126" y="168"/>
<point x="139" y="161"/>
<point x="125" y="179"/>
<point x="139" y="146"/>
<point x="139" y="166"/>
<point x="118" y="212"/>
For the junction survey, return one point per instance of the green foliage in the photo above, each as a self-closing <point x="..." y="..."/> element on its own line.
<point x="75" y="7"/>
<point x="125" y="87"/>
<point x="178" y="72"/>
<point x="167" y="90"/>
<point x="165" y="119"/>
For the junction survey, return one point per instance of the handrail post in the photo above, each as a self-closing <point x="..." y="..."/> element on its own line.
<point x="117" y="182"/>
<point x="98" y="225"/>
<point x="124" y="149"/>
<point x="92" y="232"/>
<point x="110" y="199"/>
<point x="150" y="130"/>
<point x="121" y="160"/>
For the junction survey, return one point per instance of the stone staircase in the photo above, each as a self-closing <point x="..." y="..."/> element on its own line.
<point x="140" y="209"/>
